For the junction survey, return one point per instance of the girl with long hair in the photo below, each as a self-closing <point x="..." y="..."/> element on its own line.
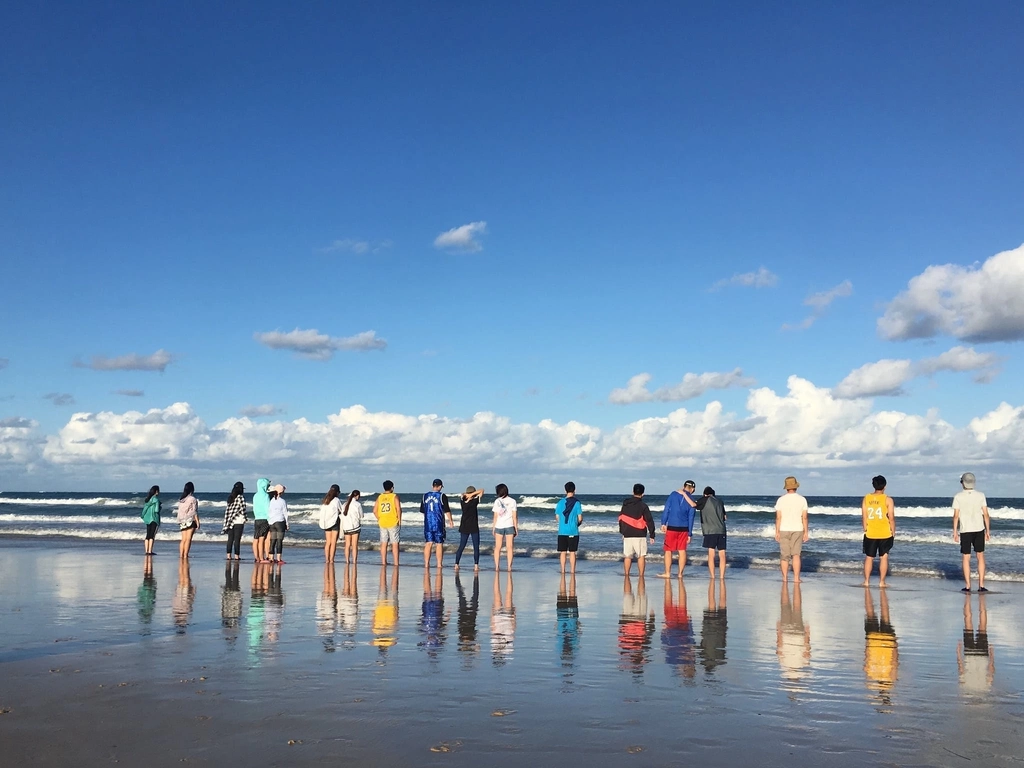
<point x="151" y="516"/>
<point x="505" y="525"/>
<point x="234" y="520"/>
<point x="188" y="518"/>
<point x="277" y="516"/>
<point x="330" y="521"/>
<point x="351" y="523"/>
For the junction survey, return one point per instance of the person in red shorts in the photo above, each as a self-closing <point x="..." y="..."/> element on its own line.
<point x="677" y="524"/>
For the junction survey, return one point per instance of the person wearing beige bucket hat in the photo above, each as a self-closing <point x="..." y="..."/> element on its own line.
<point x="791" y="528"/>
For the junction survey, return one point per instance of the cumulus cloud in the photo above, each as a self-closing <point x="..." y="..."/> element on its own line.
<point x="129" y="392"/>
<point x="887" y="377"/>
<point x="16" y="422"/>
<point x="158" y="361"/>
<point x="762" y="278"/>
<point x="819" y="303"/>
<point x="256" y="411"/>
<point x="973" y="303"/>
<point x="464" y="238"/>
<point x="313" y="345"/>
<point x="59" y="398"/>
<point x="358" y="247"/>
<point x="805" y="427"/>
<point x="693" y="385"/>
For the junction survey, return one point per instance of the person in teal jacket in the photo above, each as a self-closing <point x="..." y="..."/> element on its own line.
<point x="151" y="516"/>
<point x="260" y="507"/>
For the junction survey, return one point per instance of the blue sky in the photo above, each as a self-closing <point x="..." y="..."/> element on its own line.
<point x="184" y="179"/>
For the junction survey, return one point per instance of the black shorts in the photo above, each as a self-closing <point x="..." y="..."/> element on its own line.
<point x="877" y="547"/>
<point x="260" y="529"/>
<point x="714" y="541"/>
<point x="568" y="543"/>
<point x="151" y="530"/>
<point x="336" y="527"/>
<point x="972" y="538"/>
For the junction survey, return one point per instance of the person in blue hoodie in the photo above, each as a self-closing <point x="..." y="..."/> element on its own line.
<point x="677" y="525"/>
<point x="261" y="526"/>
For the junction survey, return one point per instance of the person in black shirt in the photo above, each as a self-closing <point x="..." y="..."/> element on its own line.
<point x="469" y="525"/>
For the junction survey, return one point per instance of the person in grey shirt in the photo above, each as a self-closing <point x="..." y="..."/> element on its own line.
<point x="712" y="525"/>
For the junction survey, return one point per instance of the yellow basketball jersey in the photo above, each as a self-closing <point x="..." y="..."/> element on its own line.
<point x="388" y="510"/>
<point x="878" y="516"/>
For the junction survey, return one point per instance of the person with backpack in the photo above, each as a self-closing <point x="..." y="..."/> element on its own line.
<point x="435" y="507"/>
<point x="569" y="515"/>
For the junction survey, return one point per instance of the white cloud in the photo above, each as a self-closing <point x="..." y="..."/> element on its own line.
<point x="158" y="361"/>
<point x="762" y="278"/>
<point x="313" y="345"/>
<point x="16" y="422"/>
<point x="693" y="385"/>
<point x="129" y="392"/>
<point x="464" y="238"/>
<point x="819" y="303"/>
<point x="971" y="303"/>
<point x="256" y="411"/>
<point x="60" y="398"/>
<point x="358" y="247"/>
<point x="887" y="377"/>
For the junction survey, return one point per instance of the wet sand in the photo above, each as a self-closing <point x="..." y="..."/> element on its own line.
<point x="104" y="660"/>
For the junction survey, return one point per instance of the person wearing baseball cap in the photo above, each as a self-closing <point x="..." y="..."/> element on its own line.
<point x="791" y="528"/>
<point x="434" y="508"/>
<point x="971" y="528"/>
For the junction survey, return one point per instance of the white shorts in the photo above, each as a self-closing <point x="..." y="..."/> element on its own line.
<point x="390" y="535"/>
<point x="634" y="546"/>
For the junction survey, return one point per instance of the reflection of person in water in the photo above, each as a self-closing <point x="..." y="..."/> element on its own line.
<point x="503" y="622"/>
<point x="348" y="605"/>
<point x="636" y="628"/>
<point x="385" y="615"/>
<point x="231" y="599"/>
<point x="468" y="610"/>
<point x="256" y="618"/>
<point x="567" y="625"/>
<point x="713" y="630"/>
<point x="147" y="595"/>
<point x="433" y="619"/>
<point x="184" y="597"/>
<point x="975" y="658"/>
<point x="792" y="636"/>
<point x="327" y="608"/>
<point x="275" y="603"/>
<point x="677" y="638"/>
<point x="881" y="653"/>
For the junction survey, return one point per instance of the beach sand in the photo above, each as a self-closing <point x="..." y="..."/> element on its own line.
<point x="105" y="661"/>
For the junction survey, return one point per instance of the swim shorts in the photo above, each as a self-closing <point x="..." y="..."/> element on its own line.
<point x="260" y="529"/>
<point x="676" y="541"/>
<point x="390" y="535"/>
<point x="877" y="547"/>
<point x="714" y="541"/>
<point x="634" y="546"/>
<point x="791" y="544"/>
<point x="568" y="543"/>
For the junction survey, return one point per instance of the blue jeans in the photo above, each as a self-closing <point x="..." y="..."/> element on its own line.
<point x="462" y="545"/>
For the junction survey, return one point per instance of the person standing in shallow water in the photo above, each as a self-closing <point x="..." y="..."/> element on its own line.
<point x="712" y="525"/>
<point x="234" y="520"/>
<point x="677" y="525"/>
<point x="505" y="525"/>
<point x="351" y="525"/>
<point x="791" y="528"/>
<point x="435" y="507"/>
<point x="388" y="511"/>
<point x="636" y="526"/>
<point x="330" y="521"/>
<point x="469" y="525"/>
<point x="188" y="518"/>
<point x="260" y="526"/>
<point x="971" y="528"/>
<point x="569" y="516"/>
<point x="277" y="516"/>
<point x="151" y="516"/>
<point x="878" y="515"/>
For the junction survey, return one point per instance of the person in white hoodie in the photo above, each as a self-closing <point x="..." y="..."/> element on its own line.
<point x="330" y="521"/>
<point x="277" y="516"/>
<point x="351" y="523"/>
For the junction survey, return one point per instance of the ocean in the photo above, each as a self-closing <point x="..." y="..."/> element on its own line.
<point x="924" y="547"/>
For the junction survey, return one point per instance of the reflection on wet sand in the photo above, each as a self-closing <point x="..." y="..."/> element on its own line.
<point x="503" y="622"/>
<point x="256" y="619"/>
<point x="468" y="610"/>
<point x="793" y="641"/>
<point x="275" y="604"/>
<point x="184" y="597"/>
<point x="348" y="606"/>
<point x="975" y="658"/>
<point x="636" y="628"/>
<point x="327" y="609"/>
<point x="567" y="625"/>
<point x="677" y="639"/>
<point x="713" y="629"/>
<point x="433" y="619"/>
<point x="385" y="615"/>
<point x="231" y="600"/>
<point x="147" y="596"/>
<point x="881" y="651"/>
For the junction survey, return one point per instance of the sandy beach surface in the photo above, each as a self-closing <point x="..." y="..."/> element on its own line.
<point x="105" y="660"/>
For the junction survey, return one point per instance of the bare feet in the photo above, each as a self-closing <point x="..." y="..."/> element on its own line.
<point x="866" y="584"/>
<point x="663" y="575"/>
<point x="797" y="581"/>
<point x="882" y="585"/>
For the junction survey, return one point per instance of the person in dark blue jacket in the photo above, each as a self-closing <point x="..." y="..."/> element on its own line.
<point x="677" y="525"/>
